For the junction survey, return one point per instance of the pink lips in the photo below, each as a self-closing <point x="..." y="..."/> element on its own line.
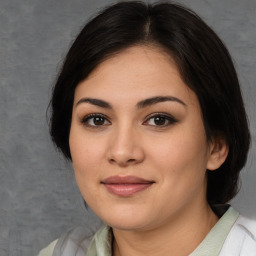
<point x="126" y="186"/>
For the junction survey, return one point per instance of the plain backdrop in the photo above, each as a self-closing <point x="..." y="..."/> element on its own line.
<point x="39" y="197"/>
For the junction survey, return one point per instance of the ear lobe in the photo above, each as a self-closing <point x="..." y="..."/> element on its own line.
<point x="218" y="154"/>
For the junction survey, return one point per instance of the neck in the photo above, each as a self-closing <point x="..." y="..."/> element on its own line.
<point x="179" y="236"/>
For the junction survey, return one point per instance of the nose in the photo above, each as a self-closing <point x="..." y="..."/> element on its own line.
<point x="125" y="148"/>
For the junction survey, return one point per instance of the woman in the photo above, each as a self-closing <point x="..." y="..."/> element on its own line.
<point x="148" y="108"/>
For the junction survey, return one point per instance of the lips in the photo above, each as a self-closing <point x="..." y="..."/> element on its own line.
<point x="126" y="186"/>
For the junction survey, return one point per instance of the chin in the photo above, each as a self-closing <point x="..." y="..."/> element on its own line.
<point x="127" y="225"/>
<point x="127" y="219"/>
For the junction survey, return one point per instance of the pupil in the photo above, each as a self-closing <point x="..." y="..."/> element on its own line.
<point x="98" y="120"/>
<point x="159" y="120"/>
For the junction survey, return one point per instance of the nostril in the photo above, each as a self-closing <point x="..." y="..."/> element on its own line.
<point x="111" y="160"/>
<point x="125" y="156"/>
<point x="122" y="162"/>
<point x="131" y="160"/>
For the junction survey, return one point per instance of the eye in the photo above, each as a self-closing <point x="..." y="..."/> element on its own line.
<point x="95" y="120"/>
<point x="160" y="120"/>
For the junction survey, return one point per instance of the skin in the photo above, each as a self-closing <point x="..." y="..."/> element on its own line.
<point x="128" y="140"/>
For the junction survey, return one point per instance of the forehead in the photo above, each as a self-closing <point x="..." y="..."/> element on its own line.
<point x="139" y="71"/>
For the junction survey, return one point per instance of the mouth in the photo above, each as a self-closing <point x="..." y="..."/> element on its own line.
<point x="126" y="186"/>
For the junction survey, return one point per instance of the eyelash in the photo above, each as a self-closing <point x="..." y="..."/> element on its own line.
<point x="166" y="118"/>
<point x="86" y="119"/>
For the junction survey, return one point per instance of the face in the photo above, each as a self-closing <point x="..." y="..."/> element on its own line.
<point x="138" y="142"/>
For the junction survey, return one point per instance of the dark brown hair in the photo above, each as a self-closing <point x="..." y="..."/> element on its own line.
<point x="203" y="61"/>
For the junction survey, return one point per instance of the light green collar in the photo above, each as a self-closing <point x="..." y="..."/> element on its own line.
<point x="101" y="245"/>
<point x="213" y="242"/>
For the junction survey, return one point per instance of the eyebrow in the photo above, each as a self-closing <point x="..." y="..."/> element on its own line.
<point x="158" y="99"/>
<point x="141" y="104"/>
<point x="96" y="102"/>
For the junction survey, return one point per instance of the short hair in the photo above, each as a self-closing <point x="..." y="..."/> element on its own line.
<point x="204" y="64"/>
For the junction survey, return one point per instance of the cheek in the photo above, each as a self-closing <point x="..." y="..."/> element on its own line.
<point x="85" y="155"/>
<point x="183" y="153"/>
<point x="86" y="168"/>
<point x="86" y="161"/>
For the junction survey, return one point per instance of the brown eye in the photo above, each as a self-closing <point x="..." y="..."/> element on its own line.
<point x="98" y="120"/>
<point x="161" y="120"/>
<point x="95" y="120"/>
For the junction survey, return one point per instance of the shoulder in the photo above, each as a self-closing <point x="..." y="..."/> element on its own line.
<point x="248" y="224"/>
<point x="246" y="228"/>
<point x="48" y="251"/>
<point x="241" y="238"/>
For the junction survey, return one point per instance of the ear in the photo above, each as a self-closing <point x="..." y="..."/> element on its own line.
<point x="218" y="153"/>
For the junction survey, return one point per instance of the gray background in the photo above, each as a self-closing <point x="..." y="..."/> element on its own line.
<point x="39" y="198"/>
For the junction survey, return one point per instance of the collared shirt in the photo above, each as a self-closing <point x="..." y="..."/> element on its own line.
<point x="210" y="246"/>
<point x="231" y="228"/>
